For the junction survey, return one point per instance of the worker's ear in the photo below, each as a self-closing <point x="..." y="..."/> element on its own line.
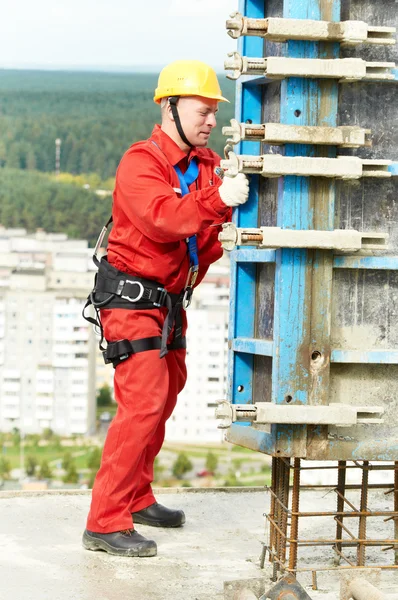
<point x="169" y="112"/>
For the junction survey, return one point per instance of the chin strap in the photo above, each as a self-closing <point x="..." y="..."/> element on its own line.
<point x="173" y="103"/>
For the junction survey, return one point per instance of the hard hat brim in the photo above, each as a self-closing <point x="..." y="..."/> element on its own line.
<point x="158" y="98"/>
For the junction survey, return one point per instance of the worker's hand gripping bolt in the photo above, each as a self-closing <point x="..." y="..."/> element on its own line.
<point x="234" y="190"/>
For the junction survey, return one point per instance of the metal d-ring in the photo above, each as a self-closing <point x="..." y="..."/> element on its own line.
<point x="140" y="293"/>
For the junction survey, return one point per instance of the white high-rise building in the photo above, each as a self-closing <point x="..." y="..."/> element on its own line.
<point x="50" y="365"/>
<point x="193" y="420"/>
<point x="47" y="359"/>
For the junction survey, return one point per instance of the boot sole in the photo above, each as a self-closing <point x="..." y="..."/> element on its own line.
<point x="95" y="545"/>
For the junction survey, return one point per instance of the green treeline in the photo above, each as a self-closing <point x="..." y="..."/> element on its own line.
<point x="32" y="200"/>
<point x="97" y="116"/>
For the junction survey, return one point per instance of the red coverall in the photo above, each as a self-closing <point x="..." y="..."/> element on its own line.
<point x="151" y="221"/>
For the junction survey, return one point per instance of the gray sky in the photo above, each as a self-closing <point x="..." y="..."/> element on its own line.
<point x="113" y="33"/>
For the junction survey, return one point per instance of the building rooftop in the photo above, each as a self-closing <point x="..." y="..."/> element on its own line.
<point x="41" y="556"/>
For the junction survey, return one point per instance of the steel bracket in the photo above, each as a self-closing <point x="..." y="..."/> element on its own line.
<point x="279" y="67"/>
<point x="278" y="134"/>
<point x="344" y="240"/>
<point x="268" y="413"/>
<point x="282" y="30"/>
<point x="287" y="588"/>
<point x="277" y="165"/>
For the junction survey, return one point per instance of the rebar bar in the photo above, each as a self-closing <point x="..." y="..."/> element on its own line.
<point x="396" y="509"/>
<point x="362" y="518"/>
<point x="314" y="581"/>
<point x="285" y="476"/>
<point x="272" y="532"/>
<point x="341" y="481"/>
<point x="294" y="519"/>
<point x="284" y="535"/>
<point x="278" y="511"/>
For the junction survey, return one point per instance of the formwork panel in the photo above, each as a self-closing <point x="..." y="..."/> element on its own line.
<point x="262" y="383"/>
<point x="365" y="385"/>
<point x="315" y="303"/>
<point x="264" y="323"/>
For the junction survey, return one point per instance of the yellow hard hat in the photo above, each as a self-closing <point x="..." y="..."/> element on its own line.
<point x="188" y="78"/>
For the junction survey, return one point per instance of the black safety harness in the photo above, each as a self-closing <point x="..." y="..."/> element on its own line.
<point x="116" y="289"/>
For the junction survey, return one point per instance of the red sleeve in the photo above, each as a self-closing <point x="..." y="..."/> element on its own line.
<point x="145" y="195"/>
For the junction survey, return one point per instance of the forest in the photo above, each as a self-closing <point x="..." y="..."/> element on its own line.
<point x="97" y="116"/>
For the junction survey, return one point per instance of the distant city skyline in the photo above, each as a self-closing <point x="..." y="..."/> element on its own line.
<point x="118" y="35"/>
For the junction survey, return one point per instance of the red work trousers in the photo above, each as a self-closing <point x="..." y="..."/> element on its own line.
<point x="146" y="389"/>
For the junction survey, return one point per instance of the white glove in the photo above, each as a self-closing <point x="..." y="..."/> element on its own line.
<point x="234" y="190"/>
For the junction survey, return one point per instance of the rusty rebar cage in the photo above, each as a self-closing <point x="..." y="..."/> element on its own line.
<point x="351" y="529"/>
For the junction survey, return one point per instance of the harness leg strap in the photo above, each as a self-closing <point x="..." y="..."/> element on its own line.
<point x="117" y="352"/>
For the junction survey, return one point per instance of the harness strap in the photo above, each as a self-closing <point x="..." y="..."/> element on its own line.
<point x="115" y="289"/>
<point x="111" y="290"/>
<point x="185" y="179"/>
<point x="117" y="352"/>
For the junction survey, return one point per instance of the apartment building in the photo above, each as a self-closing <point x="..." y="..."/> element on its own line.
<point x="50" y="365"/>
<point x="47" y="357"/>
<point x="193" y="420"/>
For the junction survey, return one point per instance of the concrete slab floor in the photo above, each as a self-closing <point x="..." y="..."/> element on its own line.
<point x="41" y="556"/>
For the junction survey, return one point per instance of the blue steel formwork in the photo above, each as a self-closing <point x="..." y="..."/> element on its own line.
<point x="291" y="307"/>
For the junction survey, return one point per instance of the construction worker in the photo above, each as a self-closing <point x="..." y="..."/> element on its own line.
<point x="168" y="206"/>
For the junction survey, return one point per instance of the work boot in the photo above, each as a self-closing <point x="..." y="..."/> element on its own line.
<point x="121" y="543"/>
<point x="157" y="515"/>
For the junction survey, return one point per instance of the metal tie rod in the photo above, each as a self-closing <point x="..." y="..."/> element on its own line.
<point x="277" y="165"/>
<point x="279" y="134"/>
<point x="279" y="67"/>
<point x="282" y="30"/>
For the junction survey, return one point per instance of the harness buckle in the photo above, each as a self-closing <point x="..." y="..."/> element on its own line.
<point x="140" y="292"/>
<point x="162" y="297"/>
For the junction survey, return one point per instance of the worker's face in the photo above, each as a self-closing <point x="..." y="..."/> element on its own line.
<point x="198" y="118"/>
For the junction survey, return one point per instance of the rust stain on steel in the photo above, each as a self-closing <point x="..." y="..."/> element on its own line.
<point x="349" y="449"/>
<point x="326" y="10"/>
<point x="326" y="103"/>
<point x="317" y="442"/>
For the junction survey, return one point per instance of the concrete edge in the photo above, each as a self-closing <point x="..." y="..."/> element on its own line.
<point x="158" y="491"/>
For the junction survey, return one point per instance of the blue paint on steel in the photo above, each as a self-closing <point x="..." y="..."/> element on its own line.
<point x="290" y="297"/>
<point x="251" y="45"/>
<point x="366" y="262"/>
<point x="393" y="169"/>
<point x="383" y="357"/>
<point x="244" y="327"/>
<point x="253" y="346"/>
<point x="251" y="80"/>
<point x="254" y="256"/>
<point x="248" y="437"/>
<point x="243" y="285"/>
<point x="300" y="103"/>
<point x="231" y="326"/>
